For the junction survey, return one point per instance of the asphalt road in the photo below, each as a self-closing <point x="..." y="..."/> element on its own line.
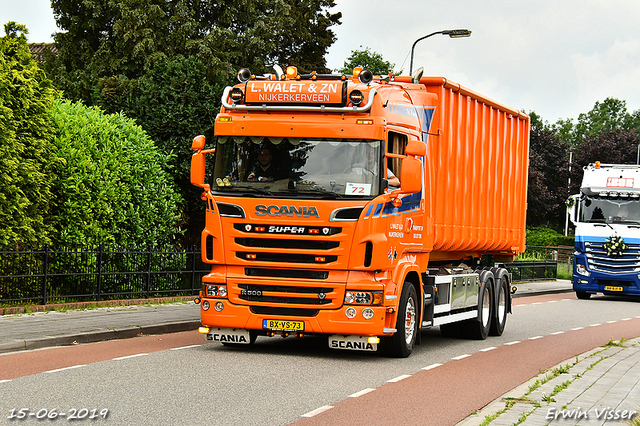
<point x="178" y="379"/>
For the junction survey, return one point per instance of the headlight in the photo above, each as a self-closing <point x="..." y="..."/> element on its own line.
<point x="217" y="290"/>
<point x="580" y="269"/>
<point x="363" y="298"/>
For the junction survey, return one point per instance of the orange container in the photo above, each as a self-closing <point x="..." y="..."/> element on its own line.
<point x="477" y="165"/>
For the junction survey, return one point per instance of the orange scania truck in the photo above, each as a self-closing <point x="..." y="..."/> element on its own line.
<point x="307" y="234"/>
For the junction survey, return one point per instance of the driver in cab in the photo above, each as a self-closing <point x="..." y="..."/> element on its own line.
<point x="264" y="170"/>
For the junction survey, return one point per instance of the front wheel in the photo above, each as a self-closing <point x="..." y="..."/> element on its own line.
<point x="583" y="295"/>
<point x="400" y="345"/>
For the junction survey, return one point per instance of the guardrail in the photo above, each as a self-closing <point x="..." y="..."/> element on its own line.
<point x="47" y="274"/>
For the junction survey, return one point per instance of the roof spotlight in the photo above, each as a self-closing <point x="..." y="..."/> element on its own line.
<point x="236" y="95"/>
<point x="356" y="97"/>
<point x="365" y="76"/>
<point x="244" y="75"/>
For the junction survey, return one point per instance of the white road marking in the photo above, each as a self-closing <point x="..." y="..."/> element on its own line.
<point x="317" y="411"/>
<point x="397" y="379"/>
<point x="457" y="358"/>
<point x="127" y="357"/>
<point x="66" y="368"/>
<point x="432" y="366"/>
<point x="184" y="347"/>
<point x="362" y="392"/>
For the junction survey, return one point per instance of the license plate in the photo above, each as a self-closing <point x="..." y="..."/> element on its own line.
<point x="282" y="325"/>
<point x="612" y="288"/>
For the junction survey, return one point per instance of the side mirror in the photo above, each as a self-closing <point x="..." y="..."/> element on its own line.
<point x="411" y="175"/>
<point x="572" y="208"/>
<point x="198" y="162"/>
<point x="198" y="143"/>
<point x="416" y="147"/>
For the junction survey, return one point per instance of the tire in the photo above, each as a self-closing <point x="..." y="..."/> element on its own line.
<point x="501" y="309"/>
<point x="583" y="295"/>
<point x="478" y="329"/>
<point x="401" y="344"/>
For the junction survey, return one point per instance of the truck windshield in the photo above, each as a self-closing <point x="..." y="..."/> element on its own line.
<point x="297" y="166"/>
<point x="609" y="210"/>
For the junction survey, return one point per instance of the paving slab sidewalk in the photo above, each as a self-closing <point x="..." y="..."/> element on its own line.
<point x="599" y="387"/>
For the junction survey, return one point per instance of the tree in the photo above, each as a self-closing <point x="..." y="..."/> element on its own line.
<point x="367" y="59"/>
<point x="165" y="64"/>
<point x="608" y="115"/>
<point x="614" y="146"/>
<point x="548" y="175"/>
<point x="25" y="130"/>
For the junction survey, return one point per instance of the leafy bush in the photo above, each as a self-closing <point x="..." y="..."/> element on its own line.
<point x="539" y="236"/>
<point x="113" y="185"/>
<point x="25" y="154"/>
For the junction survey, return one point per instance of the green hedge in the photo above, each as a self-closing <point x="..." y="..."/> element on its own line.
<point x="113" y="186"/>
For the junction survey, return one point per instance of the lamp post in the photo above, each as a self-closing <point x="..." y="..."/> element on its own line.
<point x="451" y="33"/>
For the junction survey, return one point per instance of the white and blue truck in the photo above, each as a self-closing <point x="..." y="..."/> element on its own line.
<point x="606" y="215"/>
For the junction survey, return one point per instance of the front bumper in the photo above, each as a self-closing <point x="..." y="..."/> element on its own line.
<point x="330" y="321"/>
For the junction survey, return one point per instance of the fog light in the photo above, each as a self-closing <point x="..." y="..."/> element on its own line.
<point x="203" y="330"/>
<point x="374" y="340"/>
<point x="367" y="313"/>
<point x="350" y="312"/>
<point x="219" y="306"/>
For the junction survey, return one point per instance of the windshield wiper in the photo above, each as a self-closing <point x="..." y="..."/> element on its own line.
<point x="252" y="188"/>
<point x="317" y="190"/>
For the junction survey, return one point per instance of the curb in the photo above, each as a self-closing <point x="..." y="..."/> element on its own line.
<point x="98" y="336"/>
<point x="11" y="310"/>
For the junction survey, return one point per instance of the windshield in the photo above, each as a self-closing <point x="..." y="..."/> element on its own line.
<point x="609" y="210"/>
<point x="285" y="166"/>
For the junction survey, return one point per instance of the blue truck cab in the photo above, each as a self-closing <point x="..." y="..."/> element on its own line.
<point x="606" y="215"/>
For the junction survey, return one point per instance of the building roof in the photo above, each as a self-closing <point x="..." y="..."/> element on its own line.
<point x="38" y="50"/>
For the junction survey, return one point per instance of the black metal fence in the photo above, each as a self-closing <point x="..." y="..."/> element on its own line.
<point x="49" y="275"/>
<point x="533" y="271"/>
<point x="542" y="263"/>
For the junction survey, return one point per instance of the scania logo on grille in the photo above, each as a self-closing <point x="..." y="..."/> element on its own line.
<point x="321" y="296"/>
<point x="273" y="210"/>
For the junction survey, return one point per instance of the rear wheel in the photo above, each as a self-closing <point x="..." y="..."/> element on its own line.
<point x="400" y="345"/>
<point x="478" y="329"/>
<point x="500" y="317"/>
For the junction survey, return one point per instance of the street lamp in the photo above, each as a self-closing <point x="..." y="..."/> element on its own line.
<point x="451" y="33"/>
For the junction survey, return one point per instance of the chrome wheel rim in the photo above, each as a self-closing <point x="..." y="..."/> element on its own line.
<point x="486" y="307"/>
<point x="502" y="305"/>
<point x="409" y="321"/>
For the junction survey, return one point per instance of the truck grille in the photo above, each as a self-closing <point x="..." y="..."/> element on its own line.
<point x="281" y="244"/>
<point x="299" y="295"/>
<point x="599" y="261"/>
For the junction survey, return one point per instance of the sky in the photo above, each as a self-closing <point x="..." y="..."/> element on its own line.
<point x="555" y="57"/>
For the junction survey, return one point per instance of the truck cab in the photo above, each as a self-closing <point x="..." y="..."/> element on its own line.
<point x="606" y="215"/>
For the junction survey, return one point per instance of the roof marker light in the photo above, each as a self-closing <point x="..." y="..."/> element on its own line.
<point x="292" y="72"/>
